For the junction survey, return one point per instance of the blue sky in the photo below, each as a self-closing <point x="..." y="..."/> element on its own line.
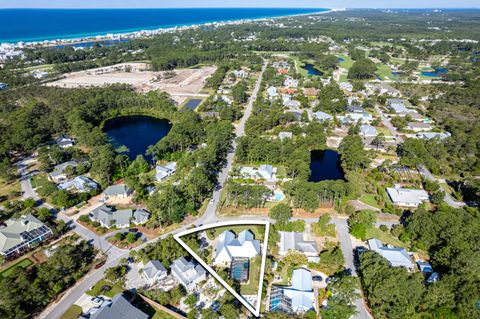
<point x="239" y="3"/>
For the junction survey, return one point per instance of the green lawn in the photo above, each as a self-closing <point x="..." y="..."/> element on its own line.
<point x="384" y="130"/>
<point x="385" y="72"/>
<point x="72" y="313"/>
<point x="162" y="315"/>
<point x="347" y="63"/>
<point x="251" y="288"/>
<point x="8" y="188"/>
<point x="39" y="179"/>
<point x="385" y="237"/>
<point x="369" y="199"/>
<point x="24" y="263"/>
<point x="97" y="289"/>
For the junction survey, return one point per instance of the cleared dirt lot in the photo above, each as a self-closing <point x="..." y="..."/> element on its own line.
<point x="180" y="84"/>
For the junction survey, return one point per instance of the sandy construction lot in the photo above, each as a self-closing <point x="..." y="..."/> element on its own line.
<point x="180" y="84"/>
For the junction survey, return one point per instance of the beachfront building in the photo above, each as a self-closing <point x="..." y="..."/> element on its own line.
<point x="19" y="235"/>
<point x="295" y="299"/>
<point x="164" y="171"/>
<point x="80" y="184"/>
<point x="407" y="197"/>
<point x="294" y="241"/>
<point x="266" y="172"/>
<point x="230" y="247"/>
<point x="396" y="256"/>
<point x="187" y="273"/>
<point x="59" y="173"/>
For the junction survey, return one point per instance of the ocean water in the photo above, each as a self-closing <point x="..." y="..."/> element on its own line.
<point x="47" y="24"/>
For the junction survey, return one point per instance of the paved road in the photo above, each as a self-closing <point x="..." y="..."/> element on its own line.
<point x="448" y="199"/>
<point x="347" y="249"/>
<point x="388" y="124"/>
<point x="210" y="213"/>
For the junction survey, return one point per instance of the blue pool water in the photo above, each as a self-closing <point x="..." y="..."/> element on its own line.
<point x="435" y="73"/>
<point x="279" y="196"/>
<point x="311" y="70"/>
<point x="47" y="24"/>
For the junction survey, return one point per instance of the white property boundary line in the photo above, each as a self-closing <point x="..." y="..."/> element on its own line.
<point x="255" y="311"/>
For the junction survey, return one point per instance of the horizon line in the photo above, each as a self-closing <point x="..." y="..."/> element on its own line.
<point x="206" y="7"/>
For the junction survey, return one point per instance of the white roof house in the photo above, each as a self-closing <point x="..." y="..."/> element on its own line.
<point x="293" y="241"/>
<point x="297" y="298"/>
<point x="285" y="135"/>
<point x="396" y="256"/>
<point x="407" y="197"/>
<point x="229" y="247"/>
<point x="272" y="92"/>
<point x="267" y="172"/>
<point x="355" y="117"/>
<point x="368" y="131"/>
<point x="290" y="82"/>
<point x="81" y="184"/>
<point x="39" y="74"/>
<point x="399" y="107"/>
<point x="240" y="74"/>
<point x="164" y="171"/>
<point x="108" y="217"/>
<point x="286" y="97"/>
<point x="154" y="271"/>
<point x="346" y="86"/>
<point x="433" y="135"/>
<point x="291" y="103"/>
<point x="418" y="126"/>
<point x="187" y="273"/>
<point x="64" y="141"/>
<point x="322" y="116"/>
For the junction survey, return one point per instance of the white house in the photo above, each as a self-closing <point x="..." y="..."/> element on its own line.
<point x="242" y="74"/>
<point x="272" y="93"/>
<point x="293" y="241"/>
<point x="187" y="273"/>
<point x="154" y="271"/>
<point x="116" y="192"/>
<point x="290" y="83"/>
<point x="346" y="86"/>
<point x="322" y="116"/>
<point x="297" y="298"/>
<point x="355" y="117"/>
<point x="396" y="256"/>
<point x="164" y="171"/>
<point x="368" y="131"/>
<point x="433" y="135"/>
<point x="81" y="184"/>
<point x="39" y="75"/>
<point x="418" y="126"/>
<point x="407" y="197"/>
<point x="64" y="141"/>
<point x="59" y="171"/>
<point x="109" y="217"/>
<point x="285" y="135"/>
<point x="292" y="104"/>
<point x="229" y="247"/>
<point x="267" y="172"/>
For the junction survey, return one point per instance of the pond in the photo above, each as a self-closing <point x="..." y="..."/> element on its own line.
<point x="311" y="70"/>
<point x="325" y="165"/>
<point x="136" y="132"/>
<point x="193" y="103"/>
<point x="435" y="73"/>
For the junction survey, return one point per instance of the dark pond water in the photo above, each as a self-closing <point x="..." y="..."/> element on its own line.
<point x="437" y="72"/>
<point x="340" y="59"/>
<point x="311" y="70"/>
<point x="136" y="132"/>
<point x="193" y="103"/>
<point x="325" y="165"/>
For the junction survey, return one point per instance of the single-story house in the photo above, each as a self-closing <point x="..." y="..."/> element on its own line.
<point x="39" y="74"/>
<point x="322" y="116"/>
<point x="118" y="308"/>
<point x="58" y="174"/>
<point x="286" y="97"/>
<point x="187" y="273"/>
<point x="119" y="191"/>
<point x="154" y="271"/>
<point x="433" y="135"/>
<point x="418" y="126"/>
<point x="368" y="131"/>
<point x="297" y="298"/>
<point x="290" y="82"/>
<point x="396" y="256"/>
<point x="64" y="141"/>
<point x="81" y="184"/>
<point x="282" y="71"/>
<point x="109" y="217"/>
<point x="280" y="64"/>
<point x="285" y="135"/>
<point x="355" y="117"/>
<point x="229" y="247"/>
<point x="311" y="92"/>
<point x="354" y="108"/>
<point x="272" y="93"/>
<point x="346" y="86"/>
<point x="19" y="235"/>
<point x="407" y="197"/>
<point x="293" y="241"/>
<point x="398" y="107"/>
<point x="267" y="172"/>
<point x="291" y="104"/>
<point x="164" y="171"/>
<point x="242" y="74"/>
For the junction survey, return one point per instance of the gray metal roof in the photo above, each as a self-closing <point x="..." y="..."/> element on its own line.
<point x="120" y="308"/>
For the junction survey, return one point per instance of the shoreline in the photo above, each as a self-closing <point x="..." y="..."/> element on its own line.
<point x="146" y="32"/>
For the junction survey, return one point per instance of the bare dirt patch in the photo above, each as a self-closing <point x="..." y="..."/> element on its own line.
<point x="180" y="84"/>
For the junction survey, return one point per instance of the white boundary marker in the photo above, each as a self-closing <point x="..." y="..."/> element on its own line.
<point x="255" y="311"/>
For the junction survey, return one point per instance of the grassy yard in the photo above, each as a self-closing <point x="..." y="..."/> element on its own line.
<point x="347" y="61"/>
<point x="39" y="179"/>
<point x="72" y="313"/>
<point x="385" y="237"/>
<point x="8" y="188"/>
<point x="384" y="130"/>
<point x="251" y="288"/>
<point x="24" y="263"/>
<point x="162" y="315"/>
<point x="97" y="289"/>
<point x="369" y="199"/>
<point x="385" y="73"/>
